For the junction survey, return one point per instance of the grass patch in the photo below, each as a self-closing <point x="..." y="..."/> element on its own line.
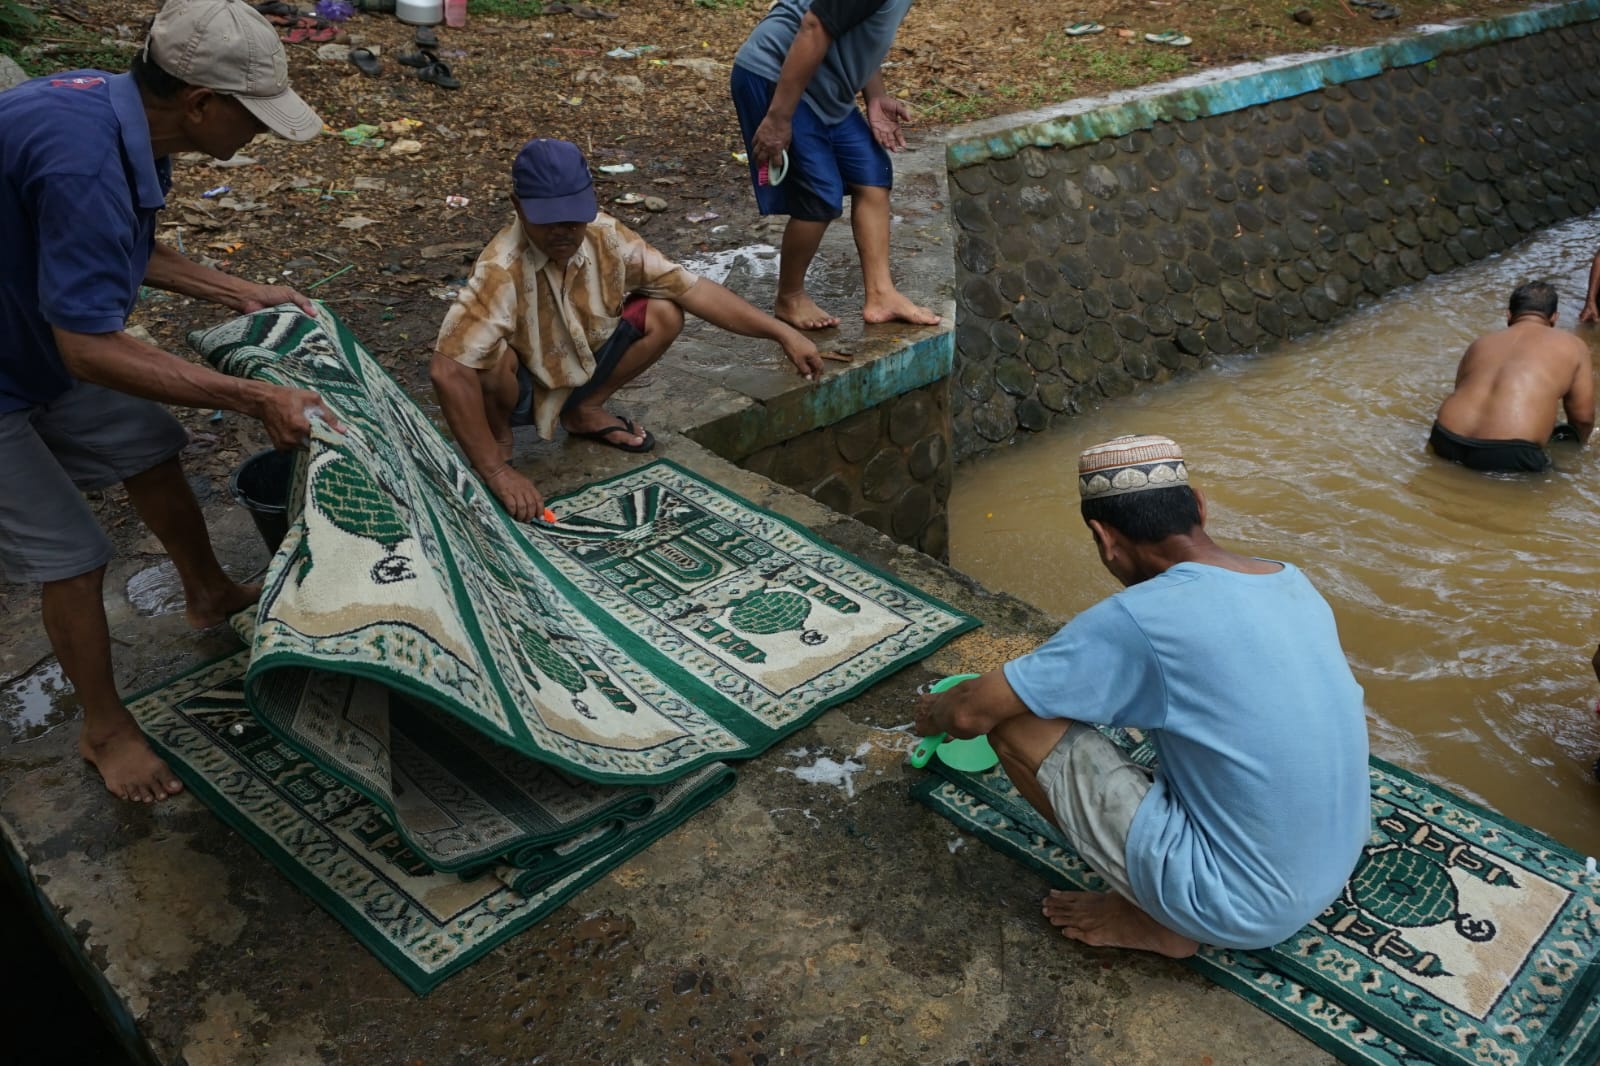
<point x="1124" y="68"/>
<point x="516" y="9"/>
<point x="70" y="47"/>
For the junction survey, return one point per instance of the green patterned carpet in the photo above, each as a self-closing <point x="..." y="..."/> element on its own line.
<point x="508" y="706"/>
<point x="344" y="850"/>
<point x="1462" y="938"/>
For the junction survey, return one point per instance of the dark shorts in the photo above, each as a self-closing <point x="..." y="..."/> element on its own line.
<point x="88" y="438"/>
<point x="1493" y="456"/>
<point x="823" y="160"/>
<point x="630" y="327"/>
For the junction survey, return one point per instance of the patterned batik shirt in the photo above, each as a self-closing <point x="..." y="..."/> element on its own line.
<point x="553" y="318"/>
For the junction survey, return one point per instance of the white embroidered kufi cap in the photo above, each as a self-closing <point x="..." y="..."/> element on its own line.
<point x="1130" y="464"/>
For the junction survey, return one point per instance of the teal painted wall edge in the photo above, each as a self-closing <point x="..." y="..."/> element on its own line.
<point x="1222" y="92"/>
<point x="836" y="397"/>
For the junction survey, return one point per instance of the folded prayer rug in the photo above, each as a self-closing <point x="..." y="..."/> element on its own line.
<point x="437" y="696"/>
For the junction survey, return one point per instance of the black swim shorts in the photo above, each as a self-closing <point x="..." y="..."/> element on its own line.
<point x="1496" y="456"/>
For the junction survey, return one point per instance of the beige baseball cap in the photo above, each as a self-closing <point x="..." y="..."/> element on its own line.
<point x="229" y="47"/>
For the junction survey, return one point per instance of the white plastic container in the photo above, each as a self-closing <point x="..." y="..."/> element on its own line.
<point x="419" y="12"/>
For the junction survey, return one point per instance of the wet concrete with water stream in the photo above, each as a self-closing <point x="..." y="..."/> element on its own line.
<point x="1467" y="603"/>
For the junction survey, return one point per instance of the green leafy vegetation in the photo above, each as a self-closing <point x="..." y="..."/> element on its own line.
<point x="42" y="44"/>
<point x="508" y="8"/>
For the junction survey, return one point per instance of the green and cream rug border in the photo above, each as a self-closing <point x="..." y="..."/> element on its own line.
<point x="363" y="892"/>
<point x="496" y="606"/>
<point x="1524" y="1033"/>
<point x="1325" y="1023"/>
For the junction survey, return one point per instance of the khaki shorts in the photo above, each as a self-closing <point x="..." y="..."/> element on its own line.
<point x="1095" y="790"/>
<point x="86" y="439"/>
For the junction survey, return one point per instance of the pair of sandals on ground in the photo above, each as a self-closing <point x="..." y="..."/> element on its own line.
<point x="296" y="27"/>
<point x="429" y="67"/>
<point x="1171" y="38"/>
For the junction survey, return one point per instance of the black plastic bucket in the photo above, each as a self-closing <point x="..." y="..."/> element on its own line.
<point x="261" y="485"/>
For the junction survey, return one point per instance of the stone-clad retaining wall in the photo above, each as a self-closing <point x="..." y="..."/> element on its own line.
<point x="888" y="466"/>
<point x="1104" y="248"/>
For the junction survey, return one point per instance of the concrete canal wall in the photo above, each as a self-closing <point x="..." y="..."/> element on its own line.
<point x="1118" y="241"/>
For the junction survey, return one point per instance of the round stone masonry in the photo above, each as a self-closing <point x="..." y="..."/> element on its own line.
<point x="1152" y="251"/>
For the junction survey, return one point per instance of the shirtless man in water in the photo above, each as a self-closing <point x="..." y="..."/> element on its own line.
<point x="1503" y="408"/>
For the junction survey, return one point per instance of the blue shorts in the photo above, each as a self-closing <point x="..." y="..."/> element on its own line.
<point x="823" y="160"/>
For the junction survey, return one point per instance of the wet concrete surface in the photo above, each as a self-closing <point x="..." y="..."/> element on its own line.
<point x="791" y="921"/>
<point x="805" y="917"/>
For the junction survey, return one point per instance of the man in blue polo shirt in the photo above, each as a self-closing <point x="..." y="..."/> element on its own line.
<point x="794" y="85"/>
<point x="84" y="168"/>
<point x="1258" y="810"/>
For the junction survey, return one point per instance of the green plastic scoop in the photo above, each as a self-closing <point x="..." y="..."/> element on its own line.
<point x="970" y="755"/>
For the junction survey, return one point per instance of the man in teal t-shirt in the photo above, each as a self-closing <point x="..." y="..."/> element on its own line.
<point x="1258" y="810"/>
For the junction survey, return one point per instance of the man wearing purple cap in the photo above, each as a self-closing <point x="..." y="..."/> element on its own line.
<point x="565" y="306"/>
<point x="85" y="161"/>
<point x="1258" y="809"/>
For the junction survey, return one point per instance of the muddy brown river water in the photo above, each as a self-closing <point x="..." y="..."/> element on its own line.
<point x="1469" y="605"/>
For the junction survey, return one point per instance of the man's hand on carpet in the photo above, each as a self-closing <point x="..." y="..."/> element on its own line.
<point x="261" y="297"/>
<point x="516" y="494"/>
<point x="285" y="414"/>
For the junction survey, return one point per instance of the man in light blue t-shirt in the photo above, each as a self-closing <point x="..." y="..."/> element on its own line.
<point x="1259" y="810"/>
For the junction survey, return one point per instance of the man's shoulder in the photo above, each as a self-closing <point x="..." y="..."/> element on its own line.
<point x="616" y="237"/>
<point x="60" y="123"/>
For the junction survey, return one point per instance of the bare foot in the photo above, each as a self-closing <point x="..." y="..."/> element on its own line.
<point x="504" y="444"/>
<point x="207" y="612"/>
<point x="893" y="307"/>
<point x="129" y="768"/>
<point x="1105" y="919"/>
<point x="802" y="312"/>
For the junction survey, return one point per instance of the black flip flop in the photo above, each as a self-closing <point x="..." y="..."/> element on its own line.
<point x="366" y="62"/>
<point x="1385" y="11"/>
<point x="416" y="58"/>
<point x="426" y="38"/>
<point x="438" y="72"/>
<point x="603" y="436"/>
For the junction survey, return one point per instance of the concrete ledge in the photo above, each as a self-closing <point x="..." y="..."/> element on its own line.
<point x="888" y="368"/>
<point x="792" y="921"/>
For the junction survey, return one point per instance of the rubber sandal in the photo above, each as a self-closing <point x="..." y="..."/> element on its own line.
<point x="302" y="34"/>
<point x="1385" y="11"/>
<point x="366" y="62"/>
<point x="603" y="436"/>
<point x="1171" y="38"/>
<point x="1083" y="29"/>
<point x="584" y="11"/>
<point x="426" y="38"/>
<point x="417" y="59"/>
<point x="438" y="72"/>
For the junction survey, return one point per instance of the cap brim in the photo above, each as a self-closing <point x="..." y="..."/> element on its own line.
<point x="285" y="114"/>
<point x="579" y="206"/>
